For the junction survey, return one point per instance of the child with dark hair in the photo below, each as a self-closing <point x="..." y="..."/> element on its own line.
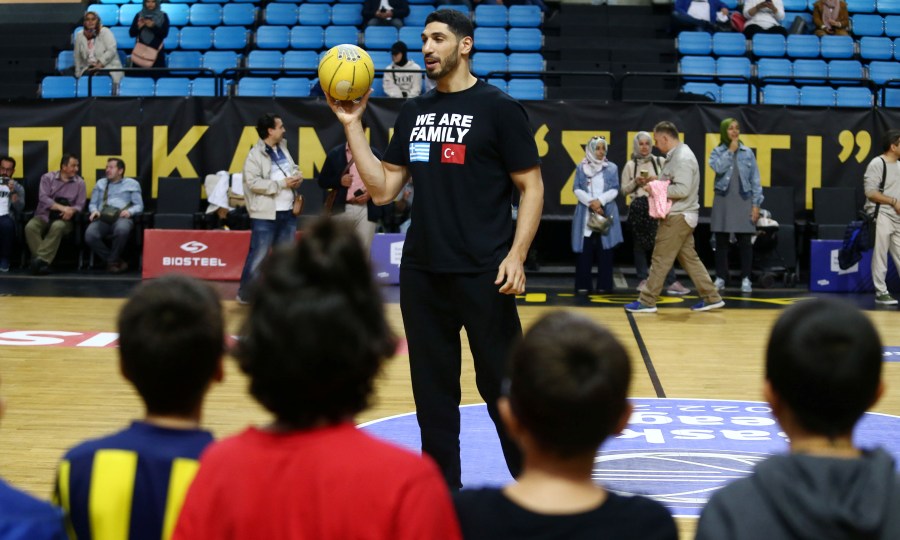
<point x="566" y="393"/>
<point x="823" y="371"/>
<point x="312" y="344"/>
<point x="131" y="484"/>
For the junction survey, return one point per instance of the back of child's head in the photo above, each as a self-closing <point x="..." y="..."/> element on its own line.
<point x="568" y="383"/>
<point x="171" y="340"/>
<point x="824" y="361"/>
<point x="316" y="333"/>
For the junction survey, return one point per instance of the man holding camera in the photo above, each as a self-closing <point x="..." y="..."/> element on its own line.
<point x="385" y="12"/>
<point x="61" y="197"/>
<point x="350" y="200"/>
<point x="114" y="202"/>
<point x="12" y="200"/>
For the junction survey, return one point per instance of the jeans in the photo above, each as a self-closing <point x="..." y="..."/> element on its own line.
<point x="7" y="236"/>
<point x="265" y="233"/>
<point x="98" y="231"/>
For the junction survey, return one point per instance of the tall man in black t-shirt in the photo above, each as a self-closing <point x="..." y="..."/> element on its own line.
<point x="467" y="144"/>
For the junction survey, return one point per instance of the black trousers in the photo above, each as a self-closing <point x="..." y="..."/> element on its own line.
<point x="435" y="307"/>
<point x="592" y="254"/>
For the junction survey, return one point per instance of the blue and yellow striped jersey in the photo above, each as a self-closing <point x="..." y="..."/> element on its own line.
<point x="129" y="485"/>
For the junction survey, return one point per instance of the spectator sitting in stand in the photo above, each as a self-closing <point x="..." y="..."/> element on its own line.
<point x="95" y="48"/>
<point x="764" y="16"/>
<point x="831" y="18"/>
<point x="706" y="16"/>
<point x="385" y="12"/>
<point x="114" y="203"/>
<point x="402" y="77"/>
<point x="12" y="201"/>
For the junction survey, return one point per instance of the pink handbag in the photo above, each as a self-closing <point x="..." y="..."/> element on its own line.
<point x="659" y="198"/>
<point x="144" y="55"/>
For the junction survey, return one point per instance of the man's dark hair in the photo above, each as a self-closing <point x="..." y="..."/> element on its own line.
<point x="171" y="339"/>
<point x="66" y="158"/>
<point x="316" y="334"/>
<point x="890" y="137"/>
<point x="265" y="123"/>
<point x="10" y="159"/>
<point x="458" y="22"/>
<point x="666" y="127"/>
<point x="824" y="361"/>
<point x="119" y="163"/>
<point x="568" y="383"/>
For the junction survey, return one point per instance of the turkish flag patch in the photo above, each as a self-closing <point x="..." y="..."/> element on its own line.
<point x="453" y="153"/>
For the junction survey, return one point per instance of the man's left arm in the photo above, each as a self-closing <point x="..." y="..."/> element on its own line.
<point x="531" y="203"/>
<point x="682" y="180"/>
<point x="136" y="204"/>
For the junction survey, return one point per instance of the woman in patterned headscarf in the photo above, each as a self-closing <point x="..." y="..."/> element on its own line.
<point x="831" y="18"/>
<point x="95" y="48"/>
<point x="596" y="187"/>
<point x="151" y="26"/>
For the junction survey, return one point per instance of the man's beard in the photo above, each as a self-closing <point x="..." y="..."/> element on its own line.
<point x="447" y="65"/>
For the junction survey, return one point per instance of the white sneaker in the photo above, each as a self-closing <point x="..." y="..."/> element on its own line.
<point x="719" y="283"/>
<point x="885" y="299"/>
<point x="677" y="289"/>
<point x="746" y="287"/>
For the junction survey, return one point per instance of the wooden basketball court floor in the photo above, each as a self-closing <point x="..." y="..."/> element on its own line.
<point x="57" y="394"/>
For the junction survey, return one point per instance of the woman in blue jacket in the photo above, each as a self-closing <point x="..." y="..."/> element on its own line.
<point x="596" y="188"/>
<point x="738" y="194"/>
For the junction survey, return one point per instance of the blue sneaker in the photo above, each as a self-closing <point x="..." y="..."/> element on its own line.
<point x="703" y="306"/>
<point x="638" y="307"/>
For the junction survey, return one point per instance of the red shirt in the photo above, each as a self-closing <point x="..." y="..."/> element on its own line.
<point x="329" y="483"/>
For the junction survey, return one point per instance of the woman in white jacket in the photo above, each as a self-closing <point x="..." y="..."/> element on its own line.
<point x="95" y="48"/>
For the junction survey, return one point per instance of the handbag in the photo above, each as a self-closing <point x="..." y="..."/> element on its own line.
<point x="598" y="223"/>
<point x="297" y="209"/>
<point x="56" y="214"/>
<point x="144" y="55"/>
<point x="108" y="213"/>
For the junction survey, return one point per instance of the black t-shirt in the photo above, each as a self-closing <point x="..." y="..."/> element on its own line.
<point x="489" y="515"/>
<point x="459" y="148"/>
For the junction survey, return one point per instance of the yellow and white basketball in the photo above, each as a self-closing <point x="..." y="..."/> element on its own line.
<point x="346" y="72"/>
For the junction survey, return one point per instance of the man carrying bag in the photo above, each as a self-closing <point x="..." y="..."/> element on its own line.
<point x="882" y="189"/>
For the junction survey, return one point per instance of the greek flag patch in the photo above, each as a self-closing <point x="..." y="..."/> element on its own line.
<point x="419" y="151"/>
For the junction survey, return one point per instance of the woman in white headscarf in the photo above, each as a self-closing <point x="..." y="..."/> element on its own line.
<point x="831" y="18"/>
<point x="151" y="27"/>
<point x="95" y="48"/>
<point x="596" y="188"/>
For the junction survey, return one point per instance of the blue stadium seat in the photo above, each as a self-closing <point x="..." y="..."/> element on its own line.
<point x="379" y="37"/>
<point x="203" y="86"/>
<point x="888" y="7"/>
<point x="892" y="26"/>
<point x="302" y="60"/>
<point x="817" y="96"/>
<point x="230" y="37"/>
<point x="526" y="88"/>
<point x="281" y="14"/>
<point x="891" y="97"/>
<point x="769" y="45"/>
<point x="733" y="66"/>
<point x="802" y="46"/>
<point x="775" y="94"/>
<point x="794" y="5"/>
<point x="491" y="15"/>
<point x="771" y="70"/>
<point x="172" y="40"/>
<point x="255" y="86"/>
<point x="876" y="48"/>
<point x="525" y="62"/>
<point x="172" y="1"/>
<point x="123" y="40"/>
<point x="273" y="37"/>
<point x="738" y="93"/>
<point x="196" y="38"/>
<point x="789" y="18"/>
<point x="499" y="83"/>
<point x="837" y="47"/>
<point x="337" y="35"/>
<point x="729" y="44"/>
<point x="693" y="65"/>
<point x="264" y="59"/>
<point x="137" y="87"/>
<point x="127" y="13"/>
<point x="58" y="86"/>
<point x="307" y="37"/>
<point x="206" y="14"/>
<point x="65" y="60"/>
<point x="416" y="17"/>
<point x="173" y="87"/>
<point x="853" y="96"/>
<point x="860" y="6"/>
<point x="378" y="87"/>
<point x="486" y="62"/>
<point x="730" y="4"/>
<point x="694" y="43"/>
<point x="292" y="87"/>
<point x="412" y="37"/>
<point x="314" y="14"/>
<point x="239" y="14"/>
<point x="525" y="39"/>
<point x="844" y="71"/>
<point x="710" y="90"/>
<point x="867" y="25"/>
<point x="114" y="1"/>
<point x="457" y="7"/>
<point x="179" y="14"/>
<point x="354" y="2"/>
<point x="346" y="14"/>
<point x="417" y="56"/>
<point x="816" y="70"/>
<point x="219" y="61"/>
<point x="524" y="16"/>
<point x="108" y="13"/>
<point x="381" y="59"/>
<point x="184" y="59"/>
<point x="490" y="39"/>
<point x="100" y="86"/>
<point x="895" y="47"/>
<point x="882" y="71"/>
